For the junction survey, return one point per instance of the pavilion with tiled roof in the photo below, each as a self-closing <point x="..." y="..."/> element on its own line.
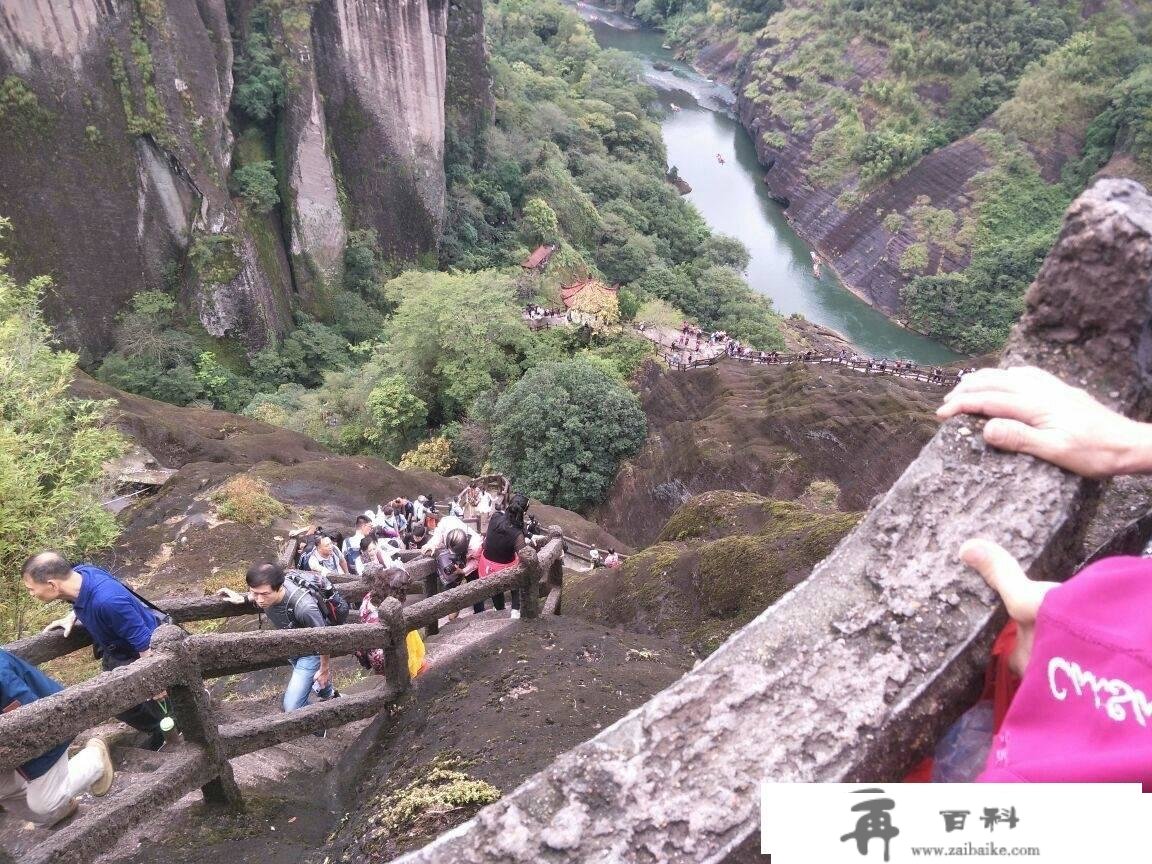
<point x="591" y="302"/>
<point x="539" y="258"/>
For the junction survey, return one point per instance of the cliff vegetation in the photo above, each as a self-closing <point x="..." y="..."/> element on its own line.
<point x="929" y="149"/>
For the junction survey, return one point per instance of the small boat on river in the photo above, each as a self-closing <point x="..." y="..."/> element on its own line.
<point x="720" y="159"/>
<point x="674" y="106"/>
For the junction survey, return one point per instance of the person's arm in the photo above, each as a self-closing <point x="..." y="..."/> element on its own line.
<point x="308" y="615"/>
<point x="14" y="693"/>
<point x="1034" y="412"/>
<point x="323" y="676"/>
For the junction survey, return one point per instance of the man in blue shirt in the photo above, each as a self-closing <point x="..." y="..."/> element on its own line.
<point x="43" y="790"/>
<point x="120" y="625"/>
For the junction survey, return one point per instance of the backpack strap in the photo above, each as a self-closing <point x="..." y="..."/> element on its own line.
<point x="162" y="616"/>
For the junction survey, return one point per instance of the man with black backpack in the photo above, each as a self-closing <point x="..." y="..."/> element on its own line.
<point x="117" y="619"/>
<point x="291" y="601"/>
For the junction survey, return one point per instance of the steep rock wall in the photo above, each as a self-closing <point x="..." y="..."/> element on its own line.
<point x="771" y="430"/>
<point x="317" y="232"/>
<point x="849" y="230"/>
<point x="120" y="160"/>
<point x="382" y="68"/>
<point x="469" y="102"/>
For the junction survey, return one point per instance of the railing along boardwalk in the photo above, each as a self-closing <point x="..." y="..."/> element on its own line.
<point x="855" y="673"/>
<point x="180" y="663"/>
<point x="900" y="369"/>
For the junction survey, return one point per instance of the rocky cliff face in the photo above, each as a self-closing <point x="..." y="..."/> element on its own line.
<point x="849" y="229"/>
<point x="382" y="68"/>
<point x="121" y="161"/>
<point x="316" y="228"/>
<point x="119" y="149"/>
<point x="770" y="430"/>
<point x="469" y="103"/>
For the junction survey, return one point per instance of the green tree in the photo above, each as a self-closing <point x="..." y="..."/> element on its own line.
<point x="52" y="448"/>
<point x="561" y="431"/>
<point x="453" y="337"/>
<point x="725" y="251"/>
<point x="226" y="390"/>
<point x="433" y="455"/>
<point x="260" y="83"/>
<point x="539" y="223"/>
<point x="395" y="416"/>
<point x="362" y="262"/>
<point x="256" y="184"/>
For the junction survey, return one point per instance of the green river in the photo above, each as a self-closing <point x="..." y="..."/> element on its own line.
<point x="734" y="201"/>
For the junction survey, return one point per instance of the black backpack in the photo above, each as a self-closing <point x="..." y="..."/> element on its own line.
<point x="333" y="607"/>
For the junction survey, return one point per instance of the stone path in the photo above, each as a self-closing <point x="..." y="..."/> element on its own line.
<point x="709" y="352"/>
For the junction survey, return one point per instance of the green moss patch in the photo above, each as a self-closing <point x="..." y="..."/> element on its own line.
<point x="422" y="807"/>
<point x="703" y="590"/>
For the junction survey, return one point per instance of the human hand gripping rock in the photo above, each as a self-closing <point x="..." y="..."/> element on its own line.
<point x="1034" y="412"/>
<point x="1021" y="595"/>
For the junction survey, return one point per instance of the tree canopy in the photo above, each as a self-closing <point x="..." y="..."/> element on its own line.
<point x="561" y="431"/>
<point x="52" y="447"/>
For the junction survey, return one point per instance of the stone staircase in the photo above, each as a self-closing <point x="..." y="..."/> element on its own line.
<point x="300" y="768"/>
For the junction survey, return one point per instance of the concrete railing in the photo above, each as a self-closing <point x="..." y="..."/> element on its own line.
<point x="855" y="673"/>
<point x="180" y="663"/>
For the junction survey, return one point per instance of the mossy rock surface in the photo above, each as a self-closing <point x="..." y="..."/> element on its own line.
<point x="723" y="559"/>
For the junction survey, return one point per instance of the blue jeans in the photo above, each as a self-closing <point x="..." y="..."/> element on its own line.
<point x="300" y="684"/>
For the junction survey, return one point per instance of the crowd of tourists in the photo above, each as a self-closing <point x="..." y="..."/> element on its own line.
<point x="473" y="536"/>
<point x="536" y="312"/>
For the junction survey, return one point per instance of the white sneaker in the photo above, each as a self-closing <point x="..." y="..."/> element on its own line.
<point x="515" y="613"/>
<point x="104" y="781"/>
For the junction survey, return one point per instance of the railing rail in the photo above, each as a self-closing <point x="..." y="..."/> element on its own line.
<point x="179" y="663"/>
<point x="924" y="374"/>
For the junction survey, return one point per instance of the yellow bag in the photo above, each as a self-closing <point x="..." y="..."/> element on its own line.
<point x="416" y="653"/>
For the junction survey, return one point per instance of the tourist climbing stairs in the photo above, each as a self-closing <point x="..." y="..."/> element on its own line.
<point x="226" y="689"/>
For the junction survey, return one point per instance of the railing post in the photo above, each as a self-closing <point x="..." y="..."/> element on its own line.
<point x="529" y="583"/>
<point x="556" y="573"/>
<point x="396" y="654"/>
<point x="431" y="589"/>
<point x="196" y="718"/>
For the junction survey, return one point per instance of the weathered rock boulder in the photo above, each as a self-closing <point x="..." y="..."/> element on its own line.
<point x="770" y="430"/>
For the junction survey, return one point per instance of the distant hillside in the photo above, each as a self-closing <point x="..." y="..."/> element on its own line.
<point x="928" y="150"/>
